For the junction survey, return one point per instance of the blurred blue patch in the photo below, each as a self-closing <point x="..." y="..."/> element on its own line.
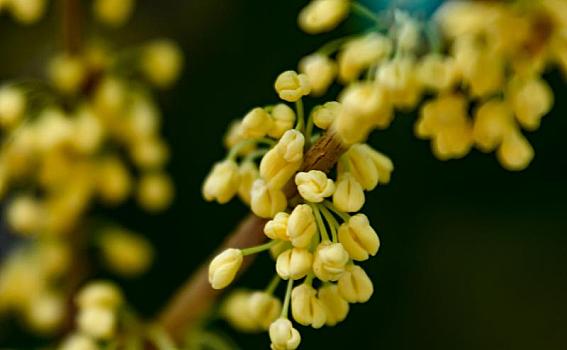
<point x="420" y="8"/>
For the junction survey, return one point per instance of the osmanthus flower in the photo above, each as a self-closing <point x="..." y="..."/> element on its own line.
<point x="320" y="70"/>
<point x="314" y="185"/>
<point x="323" y="15"/>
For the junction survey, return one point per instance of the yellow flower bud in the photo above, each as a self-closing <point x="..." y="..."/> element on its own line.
<point x="248" y="174"/>
<point x="155" y="191"/>
<point x="283" y="120"/>
<point x="53" y="129"/>
<point x="277" y="227"/>
<point x="306" y="308"/>
<point x="515" y="153"/>
<point x="27" y="11"/>
<point x="314" y="186"/>
<point x="99" y="294"/>
<point x="408" y="35"/>
<point x="162" y="61"/>
<point x="322" y="15"/>
<point x="98" y="322"/>
<point x="291" y="86"/>
<point x="530" y="100"/>
<point x="222" y="182"/>
<point x="492" y="120"/>
<point x="113" y="181"/>
<point x="301" y="226"/>
<point x="368" y="102"/>
<point x="25" y="214"/>
<point x="88" y="132"/>
<point x="355" y="286"/>
<point x="330" y="261"/>
<point x="359" y="163"/>
<point x="55" y="255"/>
<point x="223" y="268"/>
<point x="112" y="12"/>
<point x="143" y="117"/>
<point x="78" y="341"/>
<point x="256" y="124"/>
<point x="266" y="201"/>
<point x="283" y="335"/>
<point x="383" y="164"/>
<point x="110" y="97"/>
<point x="324" y="115"/>
<point x="360" y="53"/>
<point x="264" y="309"/>
<point x="294" y="263"/>
<point x="335" y="305"/>
<point x="349" y="195"/>
<point x="236" y="310"/>
<point x="12" y="106"/>
<point x="437" y="72"/>
<point x="149" y="152"/>
<point x="398" y="77"/>
<point x="283" y="160"/>
<point x="46" y="312"/>
<point x="359" y="238"/>
<point x="67" y="73"/>
<point x="320" y="70"/>
<point x="126" y="253"/>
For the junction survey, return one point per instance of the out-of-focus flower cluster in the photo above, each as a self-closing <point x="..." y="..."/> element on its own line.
<point x="316" y="235"/>
<point x="109" y="12"/>
<point x="88" y="135"/>
<point x="473" y="72"/>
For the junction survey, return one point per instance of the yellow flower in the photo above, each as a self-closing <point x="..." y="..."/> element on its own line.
<point x="46" y="312"/>
<point x="358" y="162"/>
<point x="223" y="268"/>
<point x="322" y="15"/>
<point x="236" y="310"/>
<point x="361" y="53"/>
<point x="266" y="201"/>
<point x="78" y="341"/>
<point x="320" y="70"/>
<point x="492" y="120"/>
<point x="99" y="294"/>
<point x="515" y="153"/>
<point x="349" y="195"/>
<point x="283" y="160"/>
<point x="264" y="309"/>
<point x="330" y="261"/>
<point x="125" y="252"/>
<point x="88" y="132"/>
<point x="277" y="227"/>
<point x="27" y="11"/>
<point x="283" y="119"/>
<point x="314" y="186"/>
<point x="359" y="238"/>
<point x="222" y="182"/>
<point x="25" y="214"/>
<point x="149" y="152"/>
<point x="398" y="77"/>
<point x="324" y="115"/>
<point x="12" y="106"/>
<point x="155" y="191"/>
<point x="283" y="335"/>
<point x="294" y="263"/>
<point x="383" y="164"/>
<point x="67" y="72"/>
<point x="113" y="181"/>
<point x="335" y="305"/>
<point x="368" y="103"/>
<point x="301" y="226"/>
<point x="291" y="86"/>
<point x="256" y="124"/>
<point x="162" y="61"/>
<point x="112" y="12"/>
<point x="306" y="308"/>
<point x="248" y="174"/>
<point x="355" y="286"/>
<point x="98" y="322"/>
<point x="530" y="99"/>
<point x="437" y="72"/>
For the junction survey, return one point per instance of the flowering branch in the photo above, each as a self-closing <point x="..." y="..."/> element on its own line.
<point x="195" y="298"/>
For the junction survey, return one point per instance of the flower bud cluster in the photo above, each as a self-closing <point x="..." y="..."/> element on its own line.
<point x="314" y="240"/>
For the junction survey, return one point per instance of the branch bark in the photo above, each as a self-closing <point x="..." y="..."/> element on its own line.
<point x="194" y="299"/>
<point x="71" y="25"/>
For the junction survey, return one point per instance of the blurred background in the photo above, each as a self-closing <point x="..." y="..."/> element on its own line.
<point x="473" y="256"/>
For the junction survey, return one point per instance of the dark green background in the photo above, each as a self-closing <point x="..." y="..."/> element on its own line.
<point x="472" y="256"/>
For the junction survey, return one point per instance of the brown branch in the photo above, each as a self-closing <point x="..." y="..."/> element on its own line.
<point x="71" y="25"/>
<point x="195" y="298"/>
